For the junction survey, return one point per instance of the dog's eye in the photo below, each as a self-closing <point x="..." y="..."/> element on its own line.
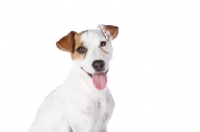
<point x="81" y="50"/>
<point x="103" y="43"/>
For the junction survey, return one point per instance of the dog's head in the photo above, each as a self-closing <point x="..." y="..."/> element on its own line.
<point x="91" y="50"/>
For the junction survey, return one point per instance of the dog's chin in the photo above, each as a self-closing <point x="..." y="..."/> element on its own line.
<point x="99" y="79"/>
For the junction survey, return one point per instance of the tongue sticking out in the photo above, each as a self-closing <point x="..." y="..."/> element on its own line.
<point x="99" y="81"/>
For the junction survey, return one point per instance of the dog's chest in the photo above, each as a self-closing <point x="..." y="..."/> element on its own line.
<point x="107" y="108"/>
<point x="105" y="111"/>
<point x="96" y="107"/>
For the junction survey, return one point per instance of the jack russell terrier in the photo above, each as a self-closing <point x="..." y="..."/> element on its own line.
<point x="83" y="103"/>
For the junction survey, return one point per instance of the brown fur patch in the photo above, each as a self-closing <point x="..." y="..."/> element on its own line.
<point x="78" y="43"/>
<point x="67" y="43"/>
<point x="113" y="30"/>
<point x="70" y="43"/>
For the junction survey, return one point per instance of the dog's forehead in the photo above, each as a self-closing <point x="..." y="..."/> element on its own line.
<point x="92" y="37"/>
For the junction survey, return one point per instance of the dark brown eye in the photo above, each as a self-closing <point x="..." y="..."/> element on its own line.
<point x="103" y="43"/>
<point x="81" y="50"/>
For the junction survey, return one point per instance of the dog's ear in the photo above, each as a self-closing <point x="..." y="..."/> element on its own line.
<point x="67" y="43"/>
<point x="113" y="30"/>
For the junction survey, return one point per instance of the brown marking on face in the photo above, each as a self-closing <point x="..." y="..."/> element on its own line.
<point x="70" y="43"/>
<point x="113" y="30"/>
<point x="78" y="43"/>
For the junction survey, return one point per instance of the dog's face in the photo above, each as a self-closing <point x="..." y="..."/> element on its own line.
<point x="91" y="51"/>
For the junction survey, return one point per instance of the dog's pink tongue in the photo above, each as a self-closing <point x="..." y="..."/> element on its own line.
<point x="99" y="81"/>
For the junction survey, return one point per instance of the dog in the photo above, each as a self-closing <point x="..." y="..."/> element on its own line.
<point x="83" y="103"/>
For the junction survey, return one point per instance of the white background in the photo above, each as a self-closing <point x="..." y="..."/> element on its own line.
<point x="154" y="75"/>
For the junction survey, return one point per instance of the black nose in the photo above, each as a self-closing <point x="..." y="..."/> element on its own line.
<point x="98" y="65"/>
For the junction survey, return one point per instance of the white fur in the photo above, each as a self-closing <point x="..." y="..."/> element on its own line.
<point x="77" y="105"/>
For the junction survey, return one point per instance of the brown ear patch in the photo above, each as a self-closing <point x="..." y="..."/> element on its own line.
<point x="113" y="30"/>
<point x="70" y="43"/>
<point x="67" y="43"/>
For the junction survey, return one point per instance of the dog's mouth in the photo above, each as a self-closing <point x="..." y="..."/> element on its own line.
<point x="99" y="79"/>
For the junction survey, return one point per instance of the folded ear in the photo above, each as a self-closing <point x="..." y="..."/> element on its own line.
<point x="67" y="43"/>
<point x="113" y="30"/>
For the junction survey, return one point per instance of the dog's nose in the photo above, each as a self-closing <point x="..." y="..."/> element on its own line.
<point x="98" y="65"/>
